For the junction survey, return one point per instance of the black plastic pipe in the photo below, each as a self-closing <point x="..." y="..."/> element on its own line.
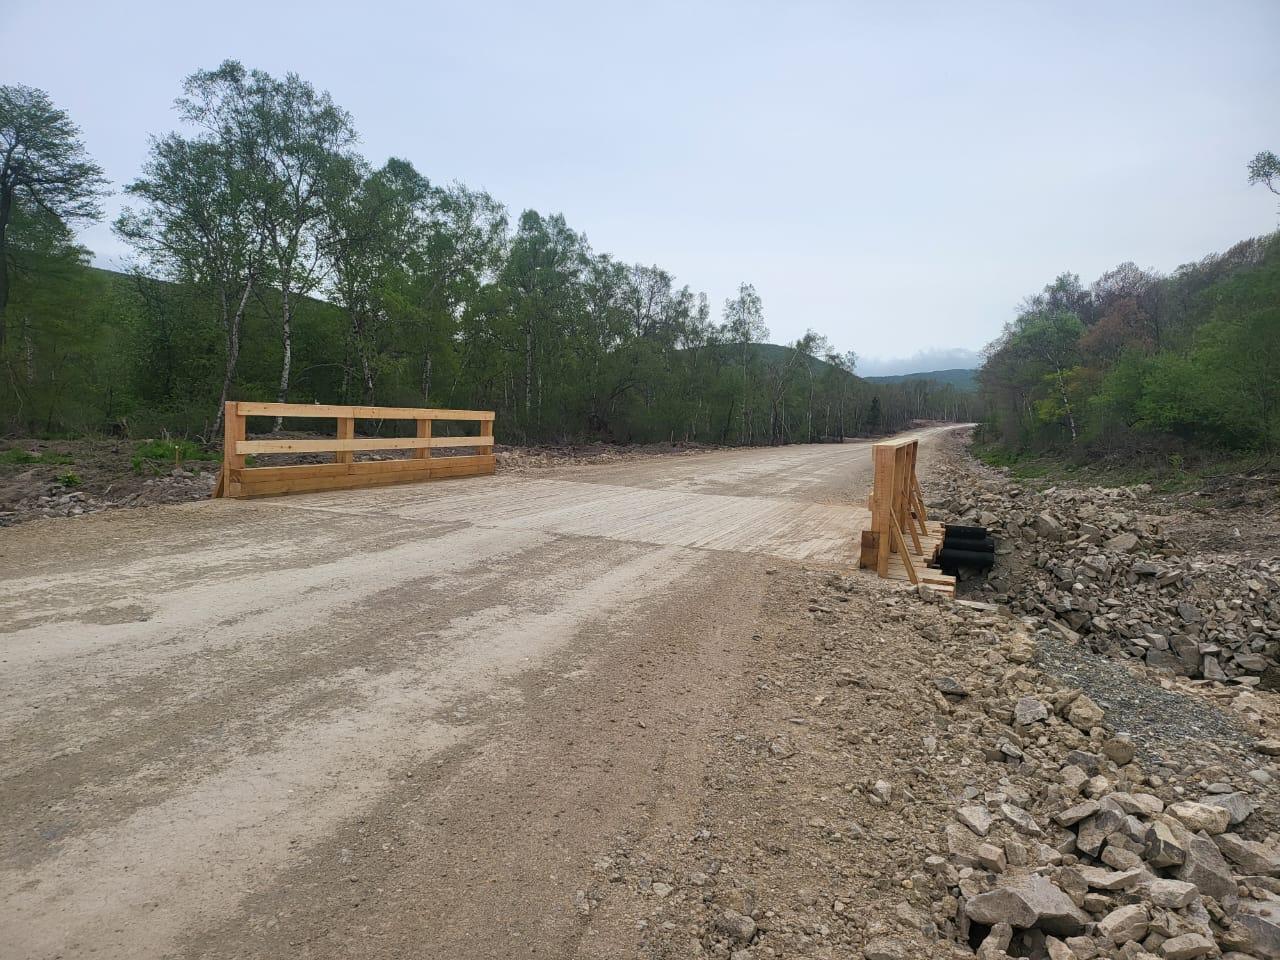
<point x="973" y="559"/>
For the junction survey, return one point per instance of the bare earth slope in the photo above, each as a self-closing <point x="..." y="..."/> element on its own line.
<point x="381" y="723"/>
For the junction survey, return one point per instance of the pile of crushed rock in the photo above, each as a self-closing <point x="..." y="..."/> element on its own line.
<point x="54" y="500"/>
<point x="1080" y="851"/>
<point x="1093" y="565"/>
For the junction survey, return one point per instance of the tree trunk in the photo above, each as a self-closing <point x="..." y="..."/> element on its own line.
<point x="367" y="372"/>
<point x="285" y="365"/>
<point x="1066" y="405"/>
<point x="29" y="350"/>
<point x="528" y="374"/>
<point x="232" y="329"/>
<point x="6" y="211"/>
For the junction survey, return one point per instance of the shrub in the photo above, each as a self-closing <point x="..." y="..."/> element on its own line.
<point x="156" y="455"/>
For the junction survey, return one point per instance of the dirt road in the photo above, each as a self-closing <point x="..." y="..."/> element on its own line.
<point x="379" y="723"/>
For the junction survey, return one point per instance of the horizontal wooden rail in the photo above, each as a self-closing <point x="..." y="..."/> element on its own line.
<point x="240" y="480"/>
<point x="250" y="408"/>
<point x="363" y="443"/>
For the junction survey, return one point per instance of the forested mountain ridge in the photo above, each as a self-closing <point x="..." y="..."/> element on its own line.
<point x="1138" y="363"/>
<point x="961" y="378"/>
<point x="273" y="262"/>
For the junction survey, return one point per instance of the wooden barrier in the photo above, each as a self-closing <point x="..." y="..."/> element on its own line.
<point x="902" y="541"/>
<point x="238" y="480"/>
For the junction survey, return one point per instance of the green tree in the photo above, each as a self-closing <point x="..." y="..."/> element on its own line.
<point x="197" y="227"/>
<point x="1265" y="169"/>
<point x="46" y="178"/>
<point x="1052" y="340"/>
<point x="462" y="243"/>
<point x="369" y="231"/>
<point x="288" y="135"/>
<point x="744" y="325"/>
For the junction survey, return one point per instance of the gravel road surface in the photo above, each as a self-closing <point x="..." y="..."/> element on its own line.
<point x="379" y="723"/>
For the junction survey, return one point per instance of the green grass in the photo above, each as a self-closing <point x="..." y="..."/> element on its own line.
<point x="70" y="479"/>
<point x="155" y="456"/>
<point x="1166" y="474"/>
<point x="16" y="456"/>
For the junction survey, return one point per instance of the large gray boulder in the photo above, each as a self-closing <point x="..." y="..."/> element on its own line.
<point x="1238" y="806"/>
<point x="1260" y="920"/>
<point x="1030" y="901"/>
<point x="1250" y="856"/>
<point x="1207" y="869"/>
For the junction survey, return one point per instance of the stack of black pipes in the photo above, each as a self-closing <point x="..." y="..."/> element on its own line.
<point x="968" y="548"/>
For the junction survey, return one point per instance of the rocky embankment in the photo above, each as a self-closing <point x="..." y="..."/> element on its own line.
<point x="1081" y="849"/>
<point x="1097" y="566"/>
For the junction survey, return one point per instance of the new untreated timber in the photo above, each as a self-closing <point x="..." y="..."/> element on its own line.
<point x="239" y="480"/>
<point x="902" y="542"/>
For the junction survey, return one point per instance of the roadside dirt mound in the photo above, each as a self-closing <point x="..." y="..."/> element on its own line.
<point x="67" y="478"/>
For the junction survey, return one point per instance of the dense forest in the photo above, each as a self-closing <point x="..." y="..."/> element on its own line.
<point x="1143" y="363"/>
<point x="273" y="262"/>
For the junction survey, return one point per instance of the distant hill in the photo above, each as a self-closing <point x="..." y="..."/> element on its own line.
<point x="959" y="378"/>
<point x="777" y="353"/>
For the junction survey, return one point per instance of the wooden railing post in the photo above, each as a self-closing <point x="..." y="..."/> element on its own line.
<point x="233" y="431"/>
<point x="346" y="431"/>
<point x="882" y="505"/>
<point x="424" y="433"/>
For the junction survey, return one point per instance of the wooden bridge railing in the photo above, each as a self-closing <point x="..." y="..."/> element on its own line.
<point x="902" y="540"/>
<point x="239" y="480"/>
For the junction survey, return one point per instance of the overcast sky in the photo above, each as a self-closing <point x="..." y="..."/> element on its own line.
<point x="895" y="175"/>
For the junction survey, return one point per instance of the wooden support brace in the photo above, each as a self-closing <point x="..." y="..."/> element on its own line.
<point x="907" y="560"/>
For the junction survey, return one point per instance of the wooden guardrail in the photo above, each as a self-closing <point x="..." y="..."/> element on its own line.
<point x="902" y="541"/>
<point x="239" y="480"/>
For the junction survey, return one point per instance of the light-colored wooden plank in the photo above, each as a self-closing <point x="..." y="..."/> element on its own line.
<point x="331" y="411"/>
<point x="394" y="466"/>
<point x="882" y="491"/>
<point x="932" y="578"/>
<point x="299" y="471"/>
<point x="902" y="550"/>
<point x="428" y="471"/>
<point x="359" y="443"/>
<point x="446" y="468"/>
<point x="314" y="484"/>
<point x="305" y="471"/>
<point x="424" y="432"/>
<point x="346" y="431"/>
<point x="233" y="427"/>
